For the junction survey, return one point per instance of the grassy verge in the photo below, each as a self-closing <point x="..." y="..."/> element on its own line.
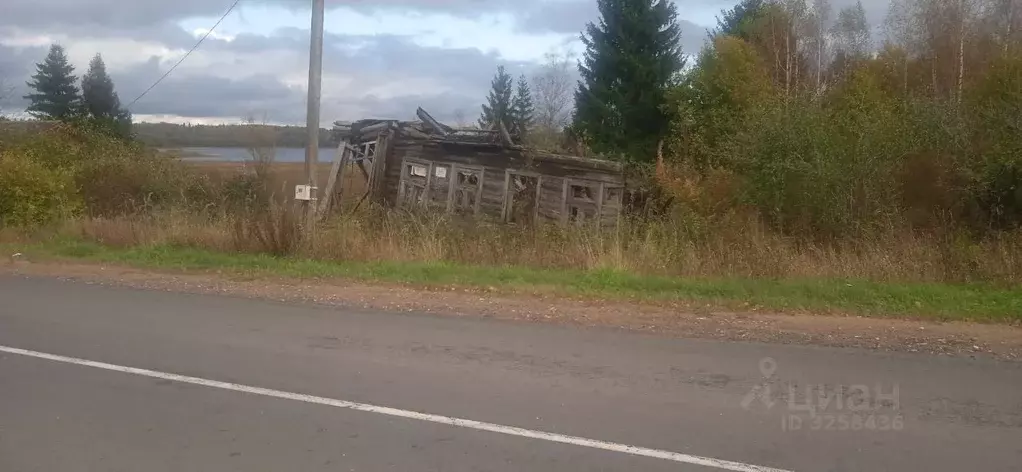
<point x="974" y="302"/>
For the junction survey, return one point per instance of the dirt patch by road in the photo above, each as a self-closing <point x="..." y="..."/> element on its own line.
<point x="695" y="321"/>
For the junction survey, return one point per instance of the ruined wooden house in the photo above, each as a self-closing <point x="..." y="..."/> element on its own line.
<point x="471" y="171"/>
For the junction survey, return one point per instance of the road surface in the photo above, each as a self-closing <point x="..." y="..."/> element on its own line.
<point x="100" y="378"/>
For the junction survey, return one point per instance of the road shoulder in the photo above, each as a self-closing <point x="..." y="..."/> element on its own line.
<point x="673" y="319"/>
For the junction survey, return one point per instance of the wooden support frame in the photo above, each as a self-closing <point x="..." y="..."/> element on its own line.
<point x="377" y="170"/>
<point x="336" y="176"/>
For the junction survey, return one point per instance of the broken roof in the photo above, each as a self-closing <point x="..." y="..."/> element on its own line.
<point x="428" y="128"/>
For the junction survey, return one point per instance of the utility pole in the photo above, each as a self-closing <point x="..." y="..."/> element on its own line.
<point x="312" y="117"/>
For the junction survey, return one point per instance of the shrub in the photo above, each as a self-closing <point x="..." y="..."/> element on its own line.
<point x="112" y="176"/>
<point x="32" y="194"/>
<point x="122" y="184"/>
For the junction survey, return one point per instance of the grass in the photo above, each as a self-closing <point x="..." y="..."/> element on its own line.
<point x="980" y="302"/>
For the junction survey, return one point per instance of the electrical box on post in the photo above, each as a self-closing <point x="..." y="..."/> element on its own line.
<point x="303" y="192"/>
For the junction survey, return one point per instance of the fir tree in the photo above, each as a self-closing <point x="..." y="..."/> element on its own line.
<point x="100" y="101"/>
<point x="632" y="56"/>
<point x="98" y="95"/>
<point x="737" y="21"/>
<point x="523" y="110"/>
<point x="498" y="102"/>
<point x="55" y="95"/>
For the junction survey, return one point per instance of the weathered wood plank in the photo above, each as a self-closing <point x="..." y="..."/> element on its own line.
<point x="336" y="171"/>
<point x="428" y="120"/>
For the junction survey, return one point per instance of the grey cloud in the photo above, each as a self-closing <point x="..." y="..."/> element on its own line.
<point x="16" y="66"/>
<point x="571" y="16"/>
<point x="116" y="13"/>
<point x="205" y="95"/>
<point x="462" y="74"/>
<point x="141" y="13"/>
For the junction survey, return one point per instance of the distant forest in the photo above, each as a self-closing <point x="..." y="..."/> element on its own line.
<point x="170" y="135"/>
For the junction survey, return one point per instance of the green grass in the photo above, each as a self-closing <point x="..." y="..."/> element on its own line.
<point x="974" y="302"/>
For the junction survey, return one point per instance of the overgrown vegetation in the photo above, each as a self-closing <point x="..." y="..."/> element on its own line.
<point x="822" y="138"/>
<point x="138" y="207"/>
<point x="794" y="154"/>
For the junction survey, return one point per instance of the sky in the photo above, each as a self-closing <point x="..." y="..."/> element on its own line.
<point x="383" y="58"/>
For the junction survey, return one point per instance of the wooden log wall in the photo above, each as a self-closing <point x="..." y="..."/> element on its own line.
<point x="559" y="178"/>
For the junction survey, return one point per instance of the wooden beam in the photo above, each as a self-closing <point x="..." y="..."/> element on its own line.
<point x="508" y="197"/>
<point x="336" y="171"/>
<point x="536" y="203"/>
<point x="583" y="162"/>
<point x="435" y="125"/>
<point x="414" y="133"/>
<point x="564" y="201"/>
<point x="375" y="128"/>
<point x="504" y="135"/>
<point x="377" y="173"/>
<point x="479" y="191"/>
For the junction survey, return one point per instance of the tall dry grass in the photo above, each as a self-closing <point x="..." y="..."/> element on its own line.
<point x="736" y="248"/>
<point x="705" y="231"/>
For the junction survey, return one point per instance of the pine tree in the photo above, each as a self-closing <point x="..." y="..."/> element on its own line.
<point x="738" y="20"/>
<point x="523" y="110"/>
<point x="98" y="93"/>
<point x="498" y="107"/>
<point x="632" y="56"/>
<point x="56" y="95"/>
<point x="100" y="101"/>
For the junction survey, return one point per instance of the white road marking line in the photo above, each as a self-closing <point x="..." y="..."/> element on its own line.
<point x="447" y="420"/>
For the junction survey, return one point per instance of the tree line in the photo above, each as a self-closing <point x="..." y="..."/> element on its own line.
<point x="815" y="120"/>
<point x="172" y="135"/>
<point x="57" y="94"/>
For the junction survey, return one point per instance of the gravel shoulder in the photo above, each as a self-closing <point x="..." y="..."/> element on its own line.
<point x="671" y="319"/>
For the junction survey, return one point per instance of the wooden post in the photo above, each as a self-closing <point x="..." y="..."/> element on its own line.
<point x="564" y="201"/>
<point x="452" y="184"/>
<point x="506" y="208"/>
<point x="336" y="175"/>
<point x="377" y="172"/>
<point x="479" y="191"/>
<point x="537" y="202"/>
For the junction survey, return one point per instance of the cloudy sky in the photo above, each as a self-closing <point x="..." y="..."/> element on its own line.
<point x="383" y="58"/>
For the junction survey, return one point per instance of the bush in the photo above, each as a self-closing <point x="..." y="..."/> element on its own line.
<point x="120" y="184"/>
<point x="112" y="176"/>
<point x="32" y="194"/>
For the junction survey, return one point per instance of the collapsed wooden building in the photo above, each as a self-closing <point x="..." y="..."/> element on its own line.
<point x="472" y="171"/>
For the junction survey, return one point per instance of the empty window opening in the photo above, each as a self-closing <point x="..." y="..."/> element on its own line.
<point x="521" y="198"/>
<point x="582" y="192"/>
<point x="468" y="177"/>
<point x="612" y="195"/>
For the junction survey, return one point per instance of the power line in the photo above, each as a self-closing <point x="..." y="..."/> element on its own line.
<point x="189" y="53"/>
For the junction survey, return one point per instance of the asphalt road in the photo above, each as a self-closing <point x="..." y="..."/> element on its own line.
<point x="567" y="388"/>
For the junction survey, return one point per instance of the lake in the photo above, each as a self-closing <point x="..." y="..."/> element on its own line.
<point x="202" y="154"/>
